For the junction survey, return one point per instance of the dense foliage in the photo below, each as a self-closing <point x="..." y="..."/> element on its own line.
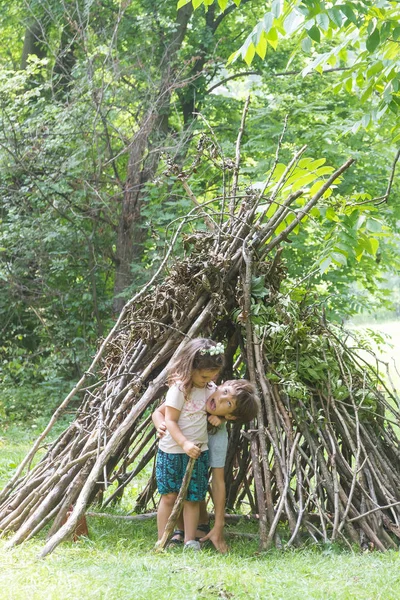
<point x="101" y="97"/>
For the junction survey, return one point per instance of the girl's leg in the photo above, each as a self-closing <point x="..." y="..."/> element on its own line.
<point x="165" y="507"/>
<point x="191" y="511"/>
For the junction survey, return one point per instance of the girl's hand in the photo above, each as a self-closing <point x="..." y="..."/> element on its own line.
<point x="161" y="430"/>
<point x="191" y="449"/>
<point x="214" y="420"/>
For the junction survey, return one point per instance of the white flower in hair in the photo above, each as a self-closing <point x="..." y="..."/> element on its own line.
<point x="214" y="350"/>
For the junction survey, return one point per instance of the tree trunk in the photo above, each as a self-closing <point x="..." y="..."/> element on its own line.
<point x="142" y="166"/>
<point x="65" y="60"/>
<point x="33" y="42"/>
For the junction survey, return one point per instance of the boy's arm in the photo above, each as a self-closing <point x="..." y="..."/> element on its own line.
<point x="171" y="421"/>
<point x="216" y="535"/>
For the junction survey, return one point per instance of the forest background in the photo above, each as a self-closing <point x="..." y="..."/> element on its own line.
<point x="98" y="99"/>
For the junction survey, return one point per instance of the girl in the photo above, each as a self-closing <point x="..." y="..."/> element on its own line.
<point x="191" y="384"/>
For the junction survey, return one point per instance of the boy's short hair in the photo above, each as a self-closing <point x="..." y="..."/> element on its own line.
<point x="246" y="400"/>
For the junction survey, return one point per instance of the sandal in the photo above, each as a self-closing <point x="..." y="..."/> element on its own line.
<point x="205" y="527"/>
<point x="175" y="541"/>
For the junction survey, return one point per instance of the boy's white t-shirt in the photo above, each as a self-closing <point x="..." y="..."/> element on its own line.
<point x="193" y="418"/>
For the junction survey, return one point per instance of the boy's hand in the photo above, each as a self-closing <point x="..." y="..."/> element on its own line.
<point x="216" y="536"/>
<point x="161" y="430"/>
<point x="191" y="449"/>
<point x="214" y="420"/>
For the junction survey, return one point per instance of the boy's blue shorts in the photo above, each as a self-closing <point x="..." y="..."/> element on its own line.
<point x="170" y="470"/>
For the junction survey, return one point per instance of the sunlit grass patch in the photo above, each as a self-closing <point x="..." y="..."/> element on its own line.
<point x="120" y="565"/>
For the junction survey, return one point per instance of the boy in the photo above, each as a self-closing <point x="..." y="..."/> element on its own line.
<point x="234" y="400"/>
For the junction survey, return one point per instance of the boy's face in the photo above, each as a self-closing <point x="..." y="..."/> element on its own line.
<point x="222" y="402"/>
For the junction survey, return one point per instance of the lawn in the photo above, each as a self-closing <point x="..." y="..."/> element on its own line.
<point x="118" y="563"/>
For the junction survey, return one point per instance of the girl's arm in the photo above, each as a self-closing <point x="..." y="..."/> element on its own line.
<point x="171" y="421"/>
<point x="214" y="420"/>
<point x="158" y="418"/>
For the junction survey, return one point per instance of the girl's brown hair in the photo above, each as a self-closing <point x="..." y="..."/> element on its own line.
<point x="194" y="356"/>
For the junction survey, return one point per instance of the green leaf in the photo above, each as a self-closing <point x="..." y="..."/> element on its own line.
<point x="375" y="68"/>
<point x="276" y="8"/>
<point x="314" y="33"/>
<point x="374" y="226"/>
<point x="233" y="57"/>
<point x="248" y="57"/>
<point x="348" y="12"/>
<point x="374" y="243"/>
<point x="359" y="251"/>
<point x="197" y="3"/>
<point x="365" y="120"/>
<point x="367" y="93"/>
<point x="258" y="289"/>
<point x="314" y="189"/>
<point x="332" y="215"/>
<point x="325" y="264"/>
<point x="339" y="258"/>
<point x="323" y="21"/>
<point x="304" y="162"/>
<point x="324" y="171"/>
<point x="360" y="222"/>
<point x="272" y="38"/>
<point x="315" y="212"/>
<point x="348" y="86"/>
<point x="335" y="16"/>
<point x="291" y="22"/>
<point x="373" y="40"/>
<point x="303" y="181"/>
<point x="268" y="20"/>
<point x="306" y="45"/>
<point x="259" y="29"/>
<point x="317" y="163"/>
<point x="261" y="47"/>
<point x="371" y="26"/>
<point x="182" y="3"/>
<point x="222" y="4"/>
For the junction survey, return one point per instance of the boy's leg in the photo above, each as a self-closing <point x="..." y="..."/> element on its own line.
<point x="165" y="507"/>
<point x="204" y="521"/>
<point x="191" y="511"/>
<point x="216" y="535"/>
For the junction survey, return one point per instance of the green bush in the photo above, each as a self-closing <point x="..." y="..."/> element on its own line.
<point x="31" y="403"/>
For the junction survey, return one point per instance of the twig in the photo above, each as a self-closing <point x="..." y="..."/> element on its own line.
<point x="237" y="159"/>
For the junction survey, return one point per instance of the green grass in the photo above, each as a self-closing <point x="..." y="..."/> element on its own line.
<point x="118" y="563"/>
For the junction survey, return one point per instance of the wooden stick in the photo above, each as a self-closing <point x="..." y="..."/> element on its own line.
<point x="176" y="511"/>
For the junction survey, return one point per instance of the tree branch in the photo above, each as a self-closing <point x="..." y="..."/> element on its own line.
<point x="281" y="74"/>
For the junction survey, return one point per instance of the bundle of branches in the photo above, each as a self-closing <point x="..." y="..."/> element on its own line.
<point x="321" y="455"/>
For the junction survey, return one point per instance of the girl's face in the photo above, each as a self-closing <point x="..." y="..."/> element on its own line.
<point x="200" y="377"/>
